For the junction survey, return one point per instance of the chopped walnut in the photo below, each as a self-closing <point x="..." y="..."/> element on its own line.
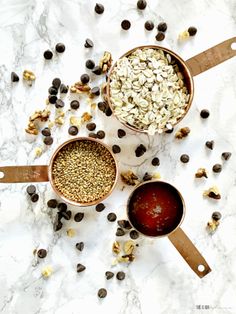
<point x="201" y="172"/>
<point x="183" y="132"/>
<point x="104" y="91"/>
<point x="42" y="115"/>
<point x="71" y="232"/>
<point x="212" y="192"/>
<point x="156" y="175"/>
<point x="130" y="257"/>
<point x="78" y="87"/>
<point x="86" y="117"/>
<point x="32" y="129"/>
<point x="116" y="247"/>
<point x="28" y="75"/>
<point x="183" y="35"/>
<point x="47" y="271"/>
<point x="212" y="226"/>
<point x="59" y="121"/>
<point x="50" y="124"/>
<point x="105" y="62"/>
<point x="129" y="247"/>
<point x="38" y="151"/>
<point x="75" y="121"/>
<point x="129" y="178"/>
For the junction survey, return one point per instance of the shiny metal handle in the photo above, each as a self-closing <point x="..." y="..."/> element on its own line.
<point x="211" y="57"/>
<point x="19" y="174"/>
<point x="189" y="252"/>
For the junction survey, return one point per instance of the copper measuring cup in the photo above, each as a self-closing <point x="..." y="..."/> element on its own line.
<point x="43" y="173"/>
<point x="176" y="235"/>
<point x="189" y="68"/>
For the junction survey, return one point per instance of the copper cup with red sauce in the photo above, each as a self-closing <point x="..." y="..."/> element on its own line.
<point x="157" y="209"/>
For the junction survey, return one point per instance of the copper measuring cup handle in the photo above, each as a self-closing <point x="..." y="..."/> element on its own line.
<point x="20" y="174"/>
<point x="189" y="252"/>
<point x="211" y="57"/>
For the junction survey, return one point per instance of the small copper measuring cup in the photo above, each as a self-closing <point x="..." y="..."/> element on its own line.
<point x="43" y="173"/>
<point x="139" y="212"/>
<point x="189" y="68"/>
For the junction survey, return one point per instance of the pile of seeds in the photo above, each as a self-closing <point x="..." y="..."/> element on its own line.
<point x="84" y="171"/>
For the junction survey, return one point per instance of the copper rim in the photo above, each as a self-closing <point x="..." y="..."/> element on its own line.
<point x="185" y="70"/>
<point x="164" y="182"/>
<point x="59" y="193"/>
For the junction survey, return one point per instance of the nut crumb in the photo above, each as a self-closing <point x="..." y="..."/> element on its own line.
<point x="75" y="121"/>
<point x="201" y="172"/>
<point x="86" y="117"/>
<point x="71" y="232"/>
<point x="129" y="178"/>
<point x="38" y="151"/>
<point x="59" y="121"/>
<point x="183" y="132"/>
<point x="47" y="271"/>
<point x="183" y="35"/>
<point x="212" y="226"/>
<point x="212" y="192"/>
<point x="156" y="175"/>
<point x="28" y="75"/>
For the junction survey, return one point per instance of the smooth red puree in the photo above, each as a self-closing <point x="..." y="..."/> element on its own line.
<point x="155" y="208"/>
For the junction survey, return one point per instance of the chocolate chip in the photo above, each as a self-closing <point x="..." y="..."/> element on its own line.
<point x="52" y="99"/>
<point x="91" y="126"/>
<point x="125" y="24"/>
<point x="121" y="133"/>
<point x="60" y="47"/>
<point x="95" y="91"/>
<point x="62" y="207"/>
<point x="120" y="275"/>
<point x="111" y="217"/>
<point x="56" y="82"/>
<point x="149" y="25"/>
<point x="204" y="113"/>
<point x="226" y="155"/>
<point x="101" y="134"/>
<point x="141" y="4"/>
<point x="84" y="78"/>
<point x="100" y="207"/>
<point x="31" y="189"/>
<point x="80" y="268"/>
<point x="73" y="130"/>
<point x="14" y="77"/>
<point x="109" y="274"/>
<point x="116" y="149"/>
<point x="97" y="70"/>
<point x="78" y="217"/>
<point x="93" y="135"/>
<point x="160" y="36"/>
<point x="57" y="223"/>
<point x="140" y="150"/>
<point x="48" y="140"/>
<point x="147" y="177"/>
<point x="184" y="158"/>
<point x="59" y="103"/>
<point x="52" y="90"/>
<point x="124" y="224"/>
<point x="34" y="197"/>
<point x="120" y="232"/>
<point x="216" y="216"/>
<point x="134" y="234"/>
<point x="192" y="30"/>
<point x="210" y="144"/>
<point x="52" y="203"/>
<point x="108" y="112"/>
<point x="48" y="54"/>
<point x="90" y="64"/>
<point x="64" y="89"/>
<point x="46" y="132"/>
<point x="217" y="168"/>
<point x="99" y="8"/>
<point x="42" y="253"/>
<point x="162" y="27"/>
<point x="102" y="293"/>
<point x="74" y="104"/>
<point x="102" y="106"/>
<point x="80" y="246"/>
<point x="156" y="161"/>
<point x="88" y="43"/>
<point x="66" y="215"/>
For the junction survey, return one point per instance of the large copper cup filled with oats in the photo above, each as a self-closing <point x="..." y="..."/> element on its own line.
<point x="150" y="88"/>
<point x="82" y="171"/>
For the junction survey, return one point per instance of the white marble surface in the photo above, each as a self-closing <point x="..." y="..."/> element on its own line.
<point x="158" y="281"/>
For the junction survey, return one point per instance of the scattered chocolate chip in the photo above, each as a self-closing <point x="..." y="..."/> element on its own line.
<point x="60" y="47"/>
<point x="74" y="104"/>
<point x="90" y="64"/>
<point x="59" y="103"/>
<point x="14" y="77"/>
<point x="109" y="274"/>
<point x="73" y="130"/>
<point x="125" y="24"/>
<point x="34" y="197"/>
<point x="124" y="224"/>
<point x="210" y="144"/>
<point x="147" y="177"/>
<point x="149" y="25"/>
<point x="162" y="27"/>
<point x="46" y="132"/>
<point x="84" y="78"/>
<point x="226" y="155"/>
<point x="217" y="168"/>
<point x="141" y="4"/>
<point x="108" y="112"/>
<point x="78" y="217"/>
<point x="95" y="91"/>
<point x="80" y="268"/>
<point x="192" y="30"/>
<point x="66" y="215"/>
<point x="52" y="90"/>
<point x="140" y="150"/>
<point x="101" y="134"/>
<point x="160" y="36"/>
<point x="91" y="126"/>
<point x="119" y="232"/>
<point x="102" y="106"/>
<point x="97" y="70"/>
<point x="56" y="83"/>
<point x="80" y="246"/>
<point x="120" y="275"/>
<point x="121" y="133"/>
<point x="204" y="113"/>
<point x="156" y="161"/>
<point x="52" y="203"/>
<point x="184" y="158"/>
<point x="116" y="149"/>
<point x="42" y="253"/>
<point x="62" y="207"/>
<point x="52" y="99"/>
<point x="63" y="89"/>
<point x="93" y="135"/>
<point x="102" y="293"/>
<point x="100" y="207"/>
<point x="31" y="189"/>
<point x="111" y="217"/>
<point x="48" y="140"/>
<point x="57" y="223"/>
<point x="216" y="216"/>
<point x="48" y="54"/>
<point x="134" y="234"/>
<point x="88" y="43"/>
<point x="99" y="8"/>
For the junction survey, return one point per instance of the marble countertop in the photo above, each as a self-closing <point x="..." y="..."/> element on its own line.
<point x="158" y="281"/>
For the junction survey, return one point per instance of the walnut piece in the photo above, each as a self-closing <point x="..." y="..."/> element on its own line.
<point x="105" y="62"/>
<point x="183" y="35"/>
<point x="212" y="192"/>
<point x="129" y="178"/>
<point x="71" y="232"/>
<point x="28" y="75"/>
<point x="183" y="132"/>
<point x="78" y="87"/>
<point x="116" y="247"/>
<point x="201" y="172"/>
<point x="86" y="117"/>
<point x="212" y="226"/>
<point x="47" y="271"/>
<point x="129" y="247"/>
<point x="38" y="151"/>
